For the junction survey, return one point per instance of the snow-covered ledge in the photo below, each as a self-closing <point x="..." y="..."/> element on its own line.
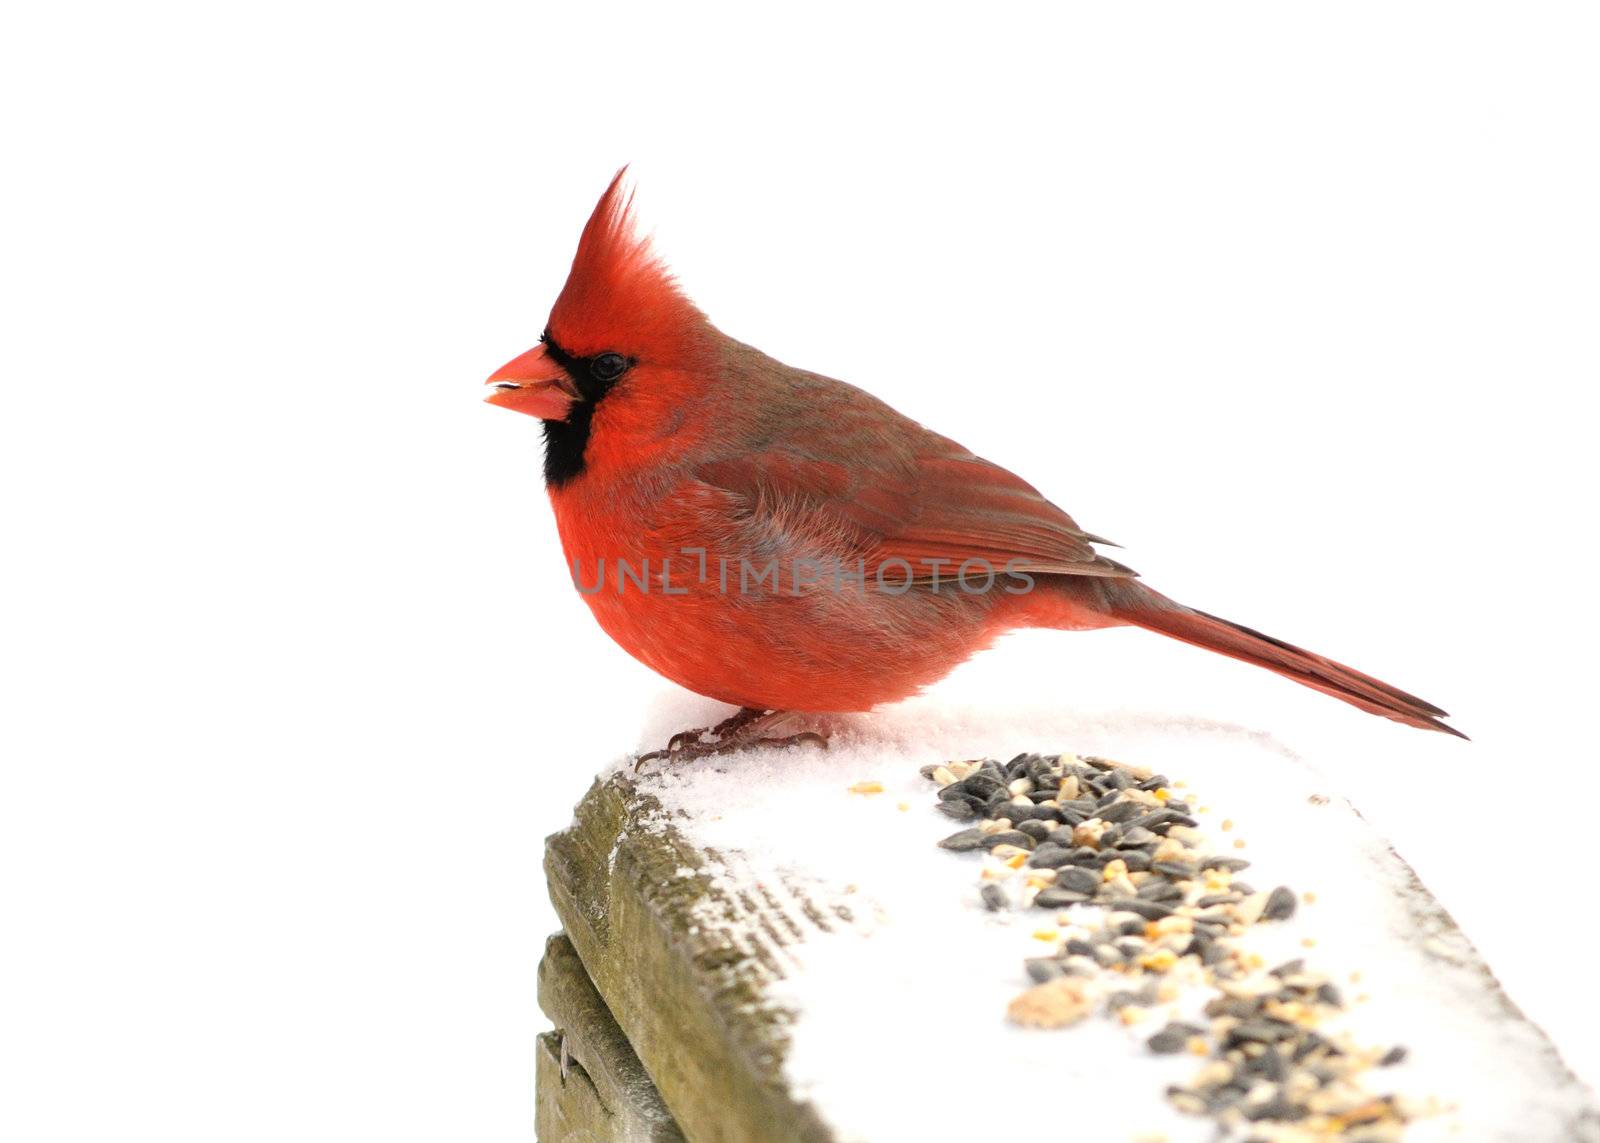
<point x="792" y="956"/>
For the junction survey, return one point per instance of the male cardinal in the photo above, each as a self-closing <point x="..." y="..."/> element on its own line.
<point x="788" y="543"/>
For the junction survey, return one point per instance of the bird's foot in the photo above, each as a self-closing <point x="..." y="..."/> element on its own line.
<point x="746" y="729"/>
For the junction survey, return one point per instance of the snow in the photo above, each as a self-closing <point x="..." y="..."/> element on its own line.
<point x="894" y="1009"/>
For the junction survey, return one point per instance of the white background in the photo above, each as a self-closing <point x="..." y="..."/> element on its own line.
<point x="1298" y="304"/>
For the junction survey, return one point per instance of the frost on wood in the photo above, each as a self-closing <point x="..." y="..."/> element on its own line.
<point x="683" y="947"/>
<point x="793" y="957"/>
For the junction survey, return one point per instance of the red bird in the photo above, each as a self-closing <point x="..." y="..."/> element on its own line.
<point x="787" y="543"/>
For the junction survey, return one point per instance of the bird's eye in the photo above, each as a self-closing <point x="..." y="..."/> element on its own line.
<point x="608" y="366"/>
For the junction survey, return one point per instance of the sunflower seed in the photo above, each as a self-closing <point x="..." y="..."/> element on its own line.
<point x="965" y="840"/>
<point x="1280" y="906"/>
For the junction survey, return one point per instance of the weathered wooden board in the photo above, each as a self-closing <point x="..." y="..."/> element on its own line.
<point x="685" y="949"/>
<point x="684" y="990"/>
<point x="568" y="1108"/>
<point x="591" y="1085"/>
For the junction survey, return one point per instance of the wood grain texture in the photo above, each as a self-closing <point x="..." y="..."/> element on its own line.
<point x="683" y="965"/>
<point x="614" y="1098"/>
<point x="568" y="1108"/>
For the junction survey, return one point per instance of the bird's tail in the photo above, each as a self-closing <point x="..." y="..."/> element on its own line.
<point x="1133" y="603"/>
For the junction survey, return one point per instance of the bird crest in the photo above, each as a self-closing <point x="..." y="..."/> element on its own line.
<point x="618" y="295"/>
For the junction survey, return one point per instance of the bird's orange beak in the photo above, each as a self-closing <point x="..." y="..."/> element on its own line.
<point x="533" y="384"/>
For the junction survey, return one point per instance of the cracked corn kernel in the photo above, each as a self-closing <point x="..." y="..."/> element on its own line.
<point x="1158" y="961"/>
<point x="1054" y="1004"/>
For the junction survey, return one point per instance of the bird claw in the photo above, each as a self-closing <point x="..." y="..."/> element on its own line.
<point x="685" y="738"/>
<point x="741" y="731"/>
